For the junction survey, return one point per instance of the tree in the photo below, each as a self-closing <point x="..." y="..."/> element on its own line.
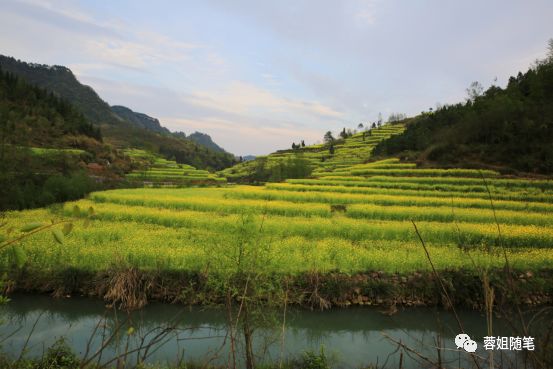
<point x="328" y="138"/>
<point x="344" y="134"/>
<point x="297" y="167"/>
<point x="373" y="125"/>
<point x="360" y="126"/>
<point x="474" y="91"/>
<point x="260" y="171"/>
<point x="302" y="143"/>
<point x="236" y="274"/>
<point x="549" y="57"/>
<point x="331" y="149"/>
<point x="396" y="117"/>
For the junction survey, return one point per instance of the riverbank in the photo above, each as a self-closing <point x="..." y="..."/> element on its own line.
<point x="131" y="288"/>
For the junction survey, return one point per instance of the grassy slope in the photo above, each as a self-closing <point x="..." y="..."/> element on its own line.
<point x="353" y="150"/>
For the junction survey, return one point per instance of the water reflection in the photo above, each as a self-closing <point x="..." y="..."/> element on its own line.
<point x="354" y="336"/>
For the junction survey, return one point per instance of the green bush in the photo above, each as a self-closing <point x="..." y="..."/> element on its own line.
<point x="312" y="360"/>
<point x="59" y="356"/>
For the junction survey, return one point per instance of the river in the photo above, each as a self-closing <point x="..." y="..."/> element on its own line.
<point x="350" y="337"/>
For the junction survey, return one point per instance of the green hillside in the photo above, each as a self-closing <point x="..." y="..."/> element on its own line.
<point x="45" y="144"/>
<point x="509" y="128"/>
<point x="157" y="171"/>
<point x="312" y="160"/>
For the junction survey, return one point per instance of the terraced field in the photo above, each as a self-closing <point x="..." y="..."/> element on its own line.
<point x="157" y="171"/>
<point x="353" y="219"/>
<point x="350" y="216"/>
<point x="347" y="152"/>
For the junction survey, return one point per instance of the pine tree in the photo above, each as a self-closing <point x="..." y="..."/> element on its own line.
<point x="328" y="138"/>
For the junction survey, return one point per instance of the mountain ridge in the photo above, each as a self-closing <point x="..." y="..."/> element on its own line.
<point x="205" y="140"/>
<point x="140" y="119"/>
<point x="61" y="81"/>
<point x="133" y="130"/>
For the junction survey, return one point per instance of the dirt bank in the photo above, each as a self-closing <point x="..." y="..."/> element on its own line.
<point x="133" y="288"/>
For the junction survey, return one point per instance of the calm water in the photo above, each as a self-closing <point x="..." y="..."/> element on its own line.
<point x="352" y="337"/>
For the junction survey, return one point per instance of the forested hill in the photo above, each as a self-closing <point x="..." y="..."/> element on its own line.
<point x="45" y="146"/>
<point x="63" y="83"/>
<point x="127" y="131"/>
<point x="509" y="127"/>
<point x="31" y="116"/>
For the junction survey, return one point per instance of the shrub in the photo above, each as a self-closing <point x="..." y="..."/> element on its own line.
<point x="60" y="356"/>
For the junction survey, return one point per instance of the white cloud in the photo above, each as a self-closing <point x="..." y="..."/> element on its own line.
<point x="365" y="13"/>
<point x="247" y="136"/>
<point x="276" y="68"/>
<point x="240" y="98"/>
<point x="121" y="53"/>
<point x="242" y="118"/>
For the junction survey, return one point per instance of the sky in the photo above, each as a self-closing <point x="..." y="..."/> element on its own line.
<point x="259" y="75"/>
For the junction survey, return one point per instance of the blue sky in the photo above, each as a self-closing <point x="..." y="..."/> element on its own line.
<point x="258" y="75"/>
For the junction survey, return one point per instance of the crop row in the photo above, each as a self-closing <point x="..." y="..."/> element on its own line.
<point x="291" y="209"/>
<point x="419" y="186"/>
<point x="341" y="227"/>
<point x="169" y="170"/>
<point x="385" y="198"/>
<point x="426" y="172"/>
<point x="183" y="178"/>
<point x="104" y="243"/>
<point x="217" y="205"/>
<point x="540" y="184"/>
<point x="523" y="201"/>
